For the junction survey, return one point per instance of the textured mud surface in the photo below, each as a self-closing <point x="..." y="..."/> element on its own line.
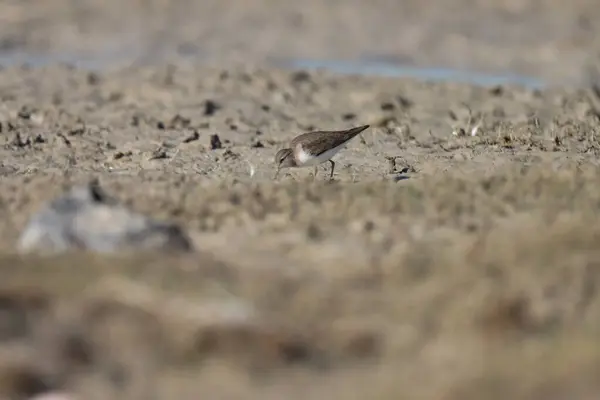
<point x="464" y="264"/>
<point x="454" y="256"/>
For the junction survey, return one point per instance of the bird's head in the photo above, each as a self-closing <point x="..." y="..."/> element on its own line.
<point x="284" y="159"/>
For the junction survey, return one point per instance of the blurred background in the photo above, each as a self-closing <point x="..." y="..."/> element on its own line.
<point x="554" y="40"/>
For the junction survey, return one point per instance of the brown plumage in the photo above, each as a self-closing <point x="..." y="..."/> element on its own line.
<point x="319" y="142"/>
<point x="314" y="148"/>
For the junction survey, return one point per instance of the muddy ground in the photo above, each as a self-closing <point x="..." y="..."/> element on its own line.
<point x="454" y="256"/>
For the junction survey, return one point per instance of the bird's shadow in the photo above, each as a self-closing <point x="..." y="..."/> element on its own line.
<point x="400" y="177"/>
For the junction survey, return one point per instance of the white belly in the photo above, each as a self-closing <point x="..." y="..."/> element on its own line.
<point x="306" y="160"/>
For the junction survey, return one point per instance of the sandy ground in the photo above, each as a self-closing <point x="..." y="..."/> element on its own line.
<point x="454" y="256"/>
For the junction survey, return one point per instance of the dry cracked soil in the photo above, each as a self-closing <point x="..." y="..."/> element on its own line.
<point x="454" y="256"/>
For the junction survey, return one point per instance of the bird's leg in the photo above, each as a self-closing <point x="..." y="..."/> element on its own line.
<point x="276" y="174"/>
<point x="315" y="172"/>
<point x="332" y="168"/>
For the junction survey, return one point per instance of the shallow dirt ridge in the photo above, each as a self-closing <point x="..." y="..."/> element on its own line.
<point x="443" y="262"/>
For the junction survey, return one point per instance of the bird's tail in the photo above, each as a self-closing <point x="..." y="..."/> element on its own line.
<point x="357" y="130"/>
